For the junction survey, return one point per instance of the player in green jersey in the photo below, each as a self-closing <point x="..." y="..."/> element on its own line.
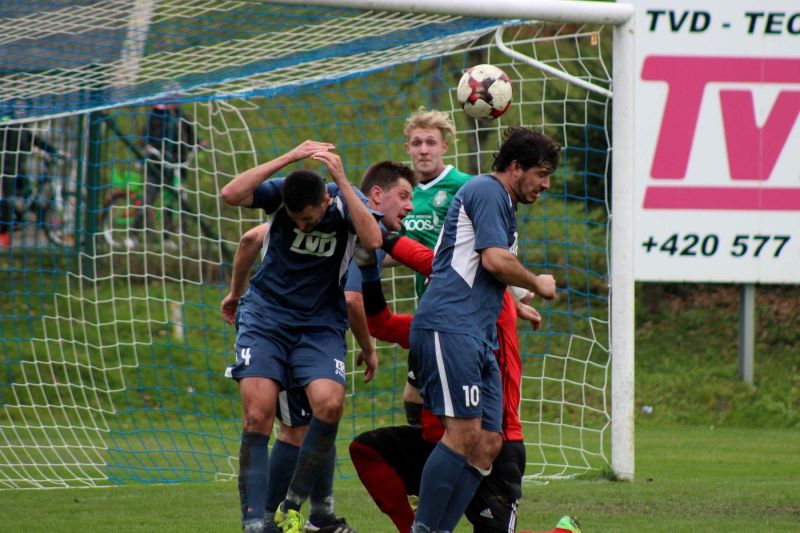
<point x="427" y="134"/>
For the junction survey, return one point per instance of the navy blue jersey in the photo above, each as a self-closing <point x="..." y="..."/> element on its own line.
<point x="462" y="297"/>
<point x="302" y="275"/>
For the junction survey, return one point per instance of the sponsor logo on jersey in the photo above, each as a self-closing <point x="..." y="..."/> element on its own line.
<point x="314" y="243"/>
<point x="422" y="223"/>
<point x="487" y="513"/>
<point x="440" y="199"/>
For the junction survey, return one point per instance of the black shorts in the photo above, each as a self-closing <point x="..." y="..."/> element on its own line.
<point x="412" y="370"/>
<point x="402" y="448"/>
<point x="493" y="509"/>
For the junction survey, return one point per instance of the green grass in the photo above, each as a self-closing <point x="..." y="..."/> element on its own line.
<point x="687" y="356"/>
<point x="689" y="478"/>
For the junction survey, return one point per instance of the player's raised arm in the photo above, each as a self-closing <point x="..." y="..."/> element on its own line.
<point x="364" y="222"/>
<point x="240" y="189"/>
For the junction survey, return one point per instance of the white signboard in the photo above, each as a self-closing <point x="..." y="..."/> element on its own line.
<point x="717" y="126"/>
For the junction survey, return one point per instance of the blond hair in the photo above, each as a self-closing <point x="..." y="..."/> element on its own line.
<point x="430" y="119"/>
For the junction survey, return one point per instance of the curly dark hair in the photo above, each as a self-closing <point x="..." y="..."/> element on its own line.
<point x="527" y="147"/>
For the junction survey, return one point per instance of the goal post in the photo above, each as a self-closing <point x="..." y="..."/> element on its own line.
<point x="112" y="348"/>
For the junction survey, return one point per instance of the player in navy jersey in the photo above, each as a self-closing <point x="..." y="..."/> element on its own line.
<point x="458" y="373"/>
<point x="292" y="320"/>
<point x="388" y="187"/>
<point x="389" y="460"/>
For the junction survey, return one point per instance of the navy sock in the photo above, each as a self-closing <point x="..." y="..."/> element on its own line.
<point x="462" y="494"/>
<point x="253" y="465"/>
<point x="322" y="494"/>
<point x="282" y="462"/>
<point x="442" y="470"/>
<point x="314" y="453"/>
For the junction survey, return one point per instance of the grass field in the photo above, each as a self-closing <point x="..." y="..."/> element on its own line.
<point x="715" y="455"/>
<point x="689" y="478"/>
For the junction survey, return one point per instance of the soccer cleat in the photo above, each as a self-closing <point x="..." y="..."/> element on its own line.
<point x="339" y="525"/>
<point x="567" y="523"/>
<point x="290" y="521"/>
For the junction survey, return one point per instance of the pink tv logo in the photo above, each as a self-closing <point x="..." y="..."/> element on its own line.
<point x="752" y="150"/>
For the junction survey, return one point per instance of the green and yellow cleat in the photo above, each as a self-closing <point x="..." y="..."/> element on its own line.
<point x="290" y="521"/>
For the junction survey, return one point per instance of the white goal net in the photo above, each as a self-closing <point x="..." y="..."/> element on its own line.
<point x="112" y="346"/>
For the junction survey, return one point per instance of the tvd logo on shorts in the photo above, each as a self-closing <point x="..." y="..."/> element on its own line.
<point x="339" y="367"/>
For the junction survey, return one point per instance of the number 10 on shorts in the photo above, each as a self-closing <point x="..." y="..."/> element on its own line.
<point x="472" y="395"/>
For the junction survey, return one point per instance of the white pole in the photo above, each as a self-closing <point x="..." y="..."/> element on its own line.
<point x="574" y="80"/>
<point x="545" y="10"/>
<point x="622" y="247"/>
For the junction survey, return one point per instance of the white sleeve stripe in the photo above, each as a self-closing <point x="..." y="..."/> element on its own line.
<point x="347" y="257"/>
<point x="337" y="202"/>
<point x="267" y="236"/>
<point x="448" y="401"/>
<point x="465" y="259"/>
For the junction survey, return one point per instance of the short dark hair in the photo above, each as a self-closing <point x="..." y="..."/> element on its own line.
<point x="528" y="148"/>
<point x="301" y="189"/>
<point x="385" y="175"/>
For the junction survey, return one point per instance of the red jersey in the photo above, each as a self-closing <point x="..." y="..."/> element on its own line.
<point x="390" y="327"/>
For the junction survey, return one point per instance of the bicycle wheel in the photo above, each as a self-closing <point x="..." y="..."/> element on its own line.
<point x="118" y="217"/>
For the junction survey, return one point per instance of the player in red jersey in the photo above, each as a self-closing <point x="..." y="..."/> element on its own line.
<point x="389" y="460"/>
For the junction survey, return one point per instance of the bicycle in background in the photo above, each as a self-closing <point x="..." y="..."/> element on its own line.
<point x="49" y="201"/>
<point x="128" y="217"/>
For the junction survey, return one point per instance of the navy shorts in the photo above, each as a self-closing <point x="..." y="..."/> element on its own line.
<point x="292" y="356"/>
<point x="458" y="376"/>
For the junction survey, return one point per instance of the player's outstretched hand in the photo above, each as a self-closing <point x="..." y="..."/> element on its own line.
<point x="308" y="148"/>
<point x="371" y="360"/>
<point x="526" y="312"/>
<point x="546" y="286"/>
<point x="334" y="164"/>
<point x="229" y="305"/>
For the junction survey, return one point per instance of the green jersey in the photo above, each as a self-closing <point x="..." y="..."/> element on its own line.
<point x="431" y="201"/>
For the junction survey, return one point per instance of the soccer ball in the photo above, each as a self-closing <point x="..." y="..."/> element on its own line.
<point x="484" y="92"/>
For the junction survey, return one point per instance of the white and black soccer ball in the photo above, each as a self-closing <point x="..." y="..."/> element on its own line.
<point x="484" y="92"/>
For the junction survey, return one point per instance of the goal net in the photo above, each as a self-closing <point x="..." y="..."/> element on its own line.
<point x="112" y="346"/>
